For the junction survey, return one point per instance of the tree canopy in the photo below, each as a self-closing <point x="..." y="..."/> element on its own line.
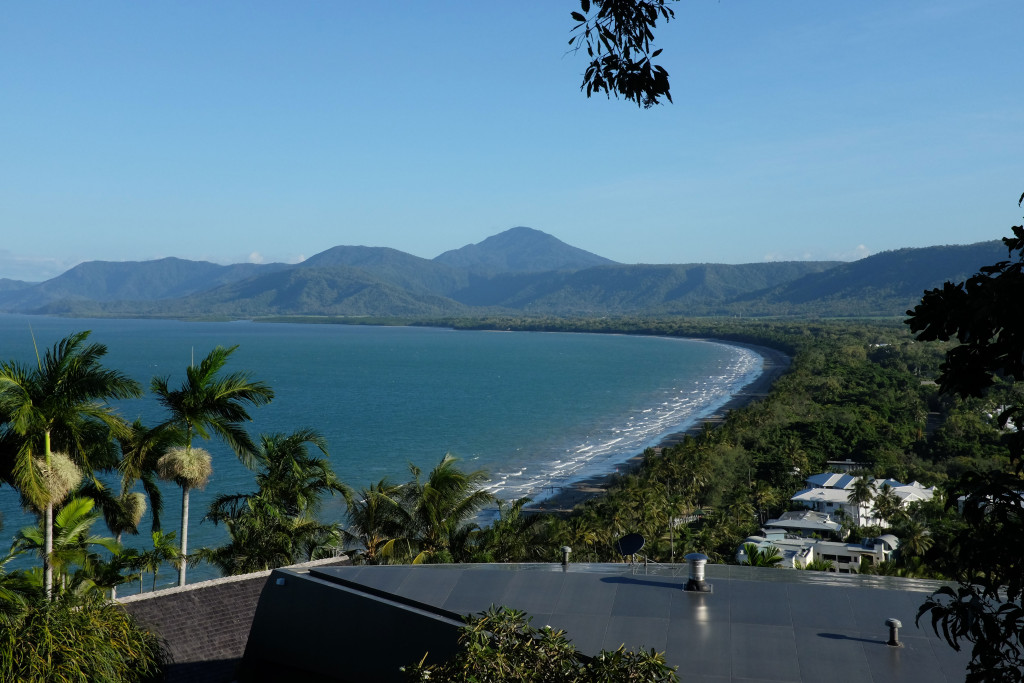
<point x="982" y="315"/>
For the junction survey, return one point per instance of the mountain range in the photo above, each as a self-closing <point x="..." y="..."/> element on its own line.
<point x="520" y="271"/>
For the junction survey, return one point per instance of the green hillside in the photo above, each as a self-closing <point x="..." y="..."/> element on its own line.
<point x="520" y="250"/>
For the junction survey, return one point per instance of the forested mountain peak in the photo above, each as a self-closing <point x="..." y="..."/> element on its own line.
<point x="345" y="255"/>
<point x="521" y="250"/>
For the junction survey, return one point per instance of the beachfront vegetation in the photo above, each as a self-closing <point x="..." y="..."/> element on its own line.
<point x="423" y="521"/>
<point x="279" y="524"/>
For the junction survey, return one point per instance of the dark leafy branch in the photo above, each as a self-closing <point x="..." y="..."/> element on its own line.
<point x="618" y="35"/>
<point x="982" y="314"/>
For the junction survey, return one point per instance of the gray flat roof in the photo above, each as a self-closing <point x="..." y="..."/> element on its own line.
<point x="757" y="624"/>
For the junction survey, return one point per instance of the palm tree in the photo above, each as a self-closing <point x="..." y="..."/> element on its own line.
<point x="861" y="493"/>
<point x="436" y="512"/>
<point x="16" y="589"/>
<point x="262" y="538"/>
<point x="888" y="506"/>
<point x="72" y="541"/>
<point x="189" y="468"/>
<point x="820" y="565"/>
<point x="207" y="402"/>
<point x="120" y="513"/>
<point x="295" y="481"/>
<point x="59" y="405"/>
<point x="163" y="551"/>
<point x="277" y="525"/>
<point x="141" y="449"/>
<point x="375" y="517"/>
<point x="762" y="557"/>
<point x="915" y="539"/>
<point x="514" y="536"/>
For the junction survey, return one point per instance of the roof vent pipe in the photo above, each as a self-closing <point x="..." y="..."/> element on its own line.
<point x="894" y="632"/>
<point x="696" y="582"/>
<point x="565" y="555"/>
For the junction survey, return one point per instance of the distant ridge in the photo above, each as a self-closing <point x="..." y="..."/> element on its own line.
<point x="518" y="272"/>
<point x="521" y="250"/>
<point x="890" y="280"/>
<point x="103" y="281"/>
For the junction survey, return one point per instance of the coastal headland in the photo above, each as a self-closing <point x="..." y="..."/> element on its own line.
<point x="775" y="363"/>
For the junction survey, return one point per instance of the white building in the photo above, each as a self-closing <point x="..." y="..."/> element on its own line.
<point x="829" y="493"/>
<point x="798" y="552"/>
<point x="807" y="523"/>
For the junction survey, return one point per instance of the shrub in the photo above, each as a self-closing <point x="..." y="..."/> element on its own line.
<point x="501" y="645"/>
<point x="76" y="638"/>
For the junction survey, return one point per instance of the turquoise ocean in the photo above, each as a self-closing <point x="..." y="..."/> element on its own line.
<point x="536" y="411"/>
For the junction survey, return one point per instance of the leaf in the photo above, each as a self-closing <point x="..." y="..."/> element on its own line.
<point x="585" y="6"/>
<point x="656" y="53"/>
<point x="579" y="17"/>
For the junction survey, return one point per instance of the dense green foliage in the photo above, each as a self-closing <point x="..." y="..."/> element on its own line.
<point x="55" y="425"/>
<point x="985" y="609"/>
<point x="423" y="521"/>
<point x="502" y="645"/>
<point x="277" y="525"/>
<point x="76" y="638"/>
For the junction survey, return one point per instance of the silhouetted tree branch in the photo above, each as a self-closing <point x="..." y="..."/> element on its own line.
<point x="618" y="35"/>
<point x="983" y="315"/>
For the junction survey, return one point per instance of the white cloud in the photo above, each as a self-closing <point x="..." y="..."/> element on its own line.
<point x="255" y="257"/>
<point x="857" y="253"/>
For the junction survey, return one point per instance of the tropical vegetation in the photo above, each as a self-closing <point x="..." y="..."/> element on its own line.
<point x="58" y="426"/>
<point x="78" y="637"/>
<point x="279" y="524"/>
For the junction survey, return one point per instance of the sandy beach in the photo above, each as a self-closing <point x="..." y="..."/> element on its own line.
<point x="776" y="363"/>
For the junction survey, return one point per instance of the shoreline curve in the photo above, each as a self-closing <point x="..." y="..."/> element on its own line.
<point x="775" y="364"/>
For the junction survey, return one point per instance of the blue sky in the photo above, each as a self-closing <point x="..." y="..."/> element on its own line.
<point x="270" y="131"/>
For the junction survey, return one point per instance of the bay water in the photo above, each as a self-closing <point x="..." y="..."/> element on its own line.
<point x="536" y="411"/>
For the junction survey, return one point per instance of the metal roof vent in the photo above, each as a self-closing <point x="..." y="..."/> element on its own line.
<point x="696" y="583"/>
<point x="894" y="632"/>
